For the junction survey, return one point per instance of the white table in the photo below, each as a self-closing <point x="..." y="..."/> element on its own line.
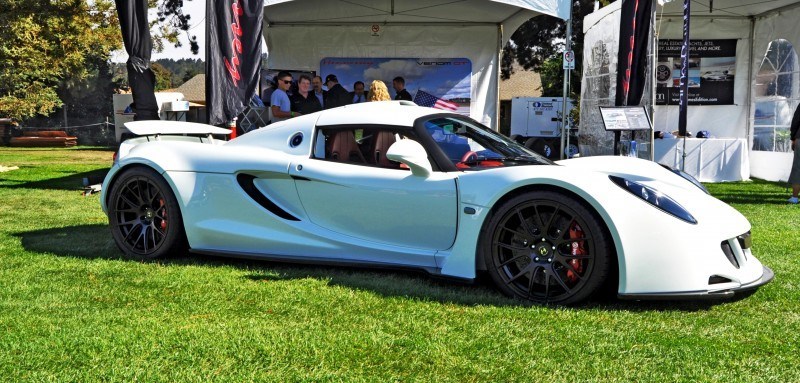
<point x="707" y="159"/>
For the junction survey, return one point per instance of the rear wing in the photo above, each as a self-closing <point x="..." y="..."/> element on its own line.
<point x="160" y="128"/>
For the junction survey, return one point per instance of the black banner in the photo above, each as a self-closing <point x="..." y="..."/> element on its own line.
<point x="712" y="70"/>
<point x="138" y="43"/>
<point x="233" y="61"/>
<point x="634" y="37"/>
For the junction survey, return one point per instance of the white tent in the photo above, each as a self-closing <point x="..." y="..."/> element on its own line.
<point x="299" y="33"/>
<point x="767" y="80"/>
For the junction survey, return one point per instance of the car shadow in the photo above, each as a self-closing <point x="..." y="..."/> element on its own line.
<point x="72" y="181"/>
<point x="95" y="242"/>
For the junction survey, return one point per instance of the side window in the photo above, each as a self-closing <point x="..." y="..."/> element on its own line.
<point x="776" y="94"/>
<point x="367" y="146"/>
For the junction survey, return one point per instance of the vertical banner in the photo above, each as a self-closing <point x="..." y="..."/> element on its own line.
<point x="634" y="37"/>
<point x="138" y="43"/>
<point x="684" y="84"/>
<point x="233" y="61"/>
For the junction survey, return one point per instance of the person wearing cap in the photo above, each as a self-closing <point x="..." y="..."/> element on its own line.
<point x="337" y="96"/>
<point x="399" y="85"/>
<point x="281" y="106"/>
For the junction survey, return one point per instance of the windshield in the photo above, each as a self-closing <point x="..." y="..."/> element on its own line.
<point x="472" y="146"/>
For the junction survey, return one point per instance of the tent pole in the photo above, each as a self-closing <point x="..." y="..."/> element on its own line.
<point x="749" y="125"/>
<point x="653" y="84"/>
<point x="564" y="128"/>
<point x="497" y="76"/>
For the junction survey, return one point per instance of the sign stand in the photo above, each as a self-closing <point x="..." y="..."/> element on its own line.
<point x="624" y="118"/>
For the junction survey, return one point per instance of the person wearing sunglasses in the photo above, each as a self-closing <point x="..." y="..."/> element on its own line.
<point x="281" y="105"/>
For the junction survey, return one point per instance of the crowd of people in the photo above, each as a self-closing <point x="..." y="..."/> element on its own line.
<point x="308" y="96"/>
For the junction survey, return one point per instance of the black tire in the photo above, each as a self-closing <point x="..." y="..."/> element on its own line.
<point x="546" y="247"/>
<point x="144" y="216"/>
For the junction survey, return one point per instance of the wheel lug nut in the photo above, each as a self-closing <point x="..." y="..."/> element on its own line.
<point x="549" y="259"/>
<point x="542" y="239"/>
<point x="554" y="247"/>
<point x="536" y="259"/>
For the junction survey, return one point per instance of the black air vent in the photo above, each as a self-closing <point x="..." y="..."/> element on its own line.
<point x="726" y="248"/>
<point x="249" y="187"/>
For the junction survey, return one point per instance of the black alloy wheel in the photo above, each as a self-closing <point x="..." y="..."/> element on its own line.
<point x="546" y="247"/>
<point x="144" y="216"/>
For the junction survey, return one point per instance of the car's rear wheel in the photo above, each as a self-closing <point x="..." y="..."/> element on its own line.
<point x="546" y="247"/>
<point x="144" y="215"/>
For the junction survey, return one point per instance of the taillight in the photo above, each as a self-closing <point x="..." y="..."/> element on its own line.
<point x="114" y="158"/>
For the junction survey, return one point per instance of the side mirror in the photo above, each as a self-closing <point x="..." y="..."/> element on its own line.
<point x="412" y="154"/>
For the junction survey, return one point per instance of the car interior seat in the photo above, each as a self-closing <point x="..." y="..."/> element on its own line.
<point x="381" y="141"/>
<point x="344" y="148"/>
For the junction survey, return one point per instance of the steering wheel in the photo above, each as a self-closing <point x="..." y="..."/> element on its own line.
<point x="468" y="157"/>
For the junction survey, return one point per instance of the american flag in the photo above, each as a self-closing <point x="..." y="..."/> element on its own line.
<point x="423" y="98"/>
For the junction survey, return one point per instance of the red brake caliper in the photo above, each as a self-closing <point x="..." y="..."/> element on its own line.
<point x="164" y="214"/>
<point x="577" y="248"/>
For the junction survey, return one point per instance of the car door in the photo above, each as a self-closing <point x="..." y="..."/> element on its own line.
<point x="387" y="206"/>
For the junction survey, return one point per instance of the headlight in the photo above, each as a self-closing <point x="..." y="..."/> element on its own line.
<point x="655" y="198"/>
<point x="687" y="177"/>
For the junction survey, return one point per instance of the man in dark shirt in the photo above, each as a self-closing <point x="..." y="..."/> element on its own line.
<point x="358" y="95"/>
<point x="794" y="175"/>
<point x="399" y="85"/>
<point x="318" y="91"/>
<point x="304" y="101"/>
<point x="336" y="95"/>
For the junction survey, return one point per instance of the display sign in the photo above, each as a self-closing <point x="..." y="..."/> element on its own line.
<point x="712" y="69"/>
<point x="569" y="60"/>
<point x="625" y="118"/>
<point x="444" y="83"/>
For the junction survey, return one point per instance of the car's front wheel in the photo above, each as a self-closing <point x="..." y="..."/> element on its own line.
<point x="144" y="216"/>
<point x="546" y="247"/>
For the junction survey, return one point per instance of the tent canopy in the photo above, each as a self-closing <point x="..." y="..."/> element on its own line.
<point x="409" y="11"/>
<point x="726" y="8"/>
<point x="300" y="33"/>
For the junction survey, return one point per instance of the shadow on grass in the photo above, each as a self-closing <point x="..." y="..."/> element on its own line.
<point x="95" y="242"/>
<point x="760" y="192"/>
<point x="72" y="181"/>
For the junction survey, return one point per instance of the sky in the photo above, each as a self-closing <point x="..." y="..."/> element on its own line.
<point x="195" y="8"/>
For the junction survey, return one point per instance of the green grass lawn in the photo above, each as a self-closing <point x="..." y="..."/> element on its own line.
<point x="72" y="310"/>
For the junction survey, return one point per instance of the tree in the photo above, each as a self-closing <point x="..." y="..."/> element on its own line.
<point x="538" y="44"/>
<point x="52" y="52"/>
<point x="45" y="45"/>
<point x="163" y="76"/>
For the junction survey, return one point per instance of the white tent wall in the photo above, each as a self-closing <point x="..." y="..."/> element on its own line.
<point x="300" y="33"/>
<point x="753" y="25"/>
<point x="302" y="48"/>
<point x="719" y="120"/>
<point x="774" y="166"/>
<point x="599" y="83"/>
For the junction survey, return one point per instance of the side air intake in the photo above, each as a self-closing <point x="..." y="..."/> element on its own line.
<point x="246" y="182"/>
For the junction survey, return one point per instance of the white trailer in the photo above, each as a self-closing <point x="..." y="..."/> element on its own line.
<point x="171" y="106"/>
<point x="536" y="123"/>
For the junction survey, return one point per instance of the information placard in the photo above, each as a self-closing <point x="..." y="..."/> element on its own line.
<point x="625" y="118"/>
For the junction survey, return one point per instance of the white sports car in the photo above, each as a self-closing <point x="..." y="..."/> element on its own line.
<point x="394" y="184"/>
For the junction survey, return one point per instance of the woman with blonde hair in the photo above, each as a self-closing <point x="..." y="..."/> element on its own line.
<point x="378" y="91"/>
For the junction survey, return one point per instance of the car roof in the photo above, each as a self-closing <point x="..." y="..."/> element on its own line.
<point x="398" y="113"/>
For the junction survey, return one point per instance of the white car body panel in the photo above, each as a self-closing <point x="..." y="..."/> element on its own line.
<point x="374" y="215"/>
